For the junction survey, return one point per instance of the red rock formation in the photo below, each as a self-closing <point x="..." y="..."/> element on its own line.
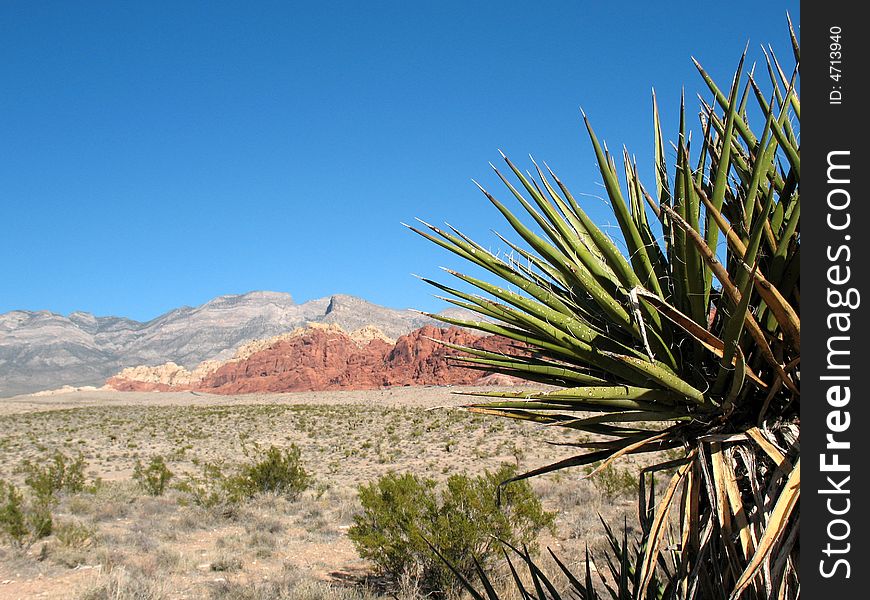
<point x="122" y="384"/>
<point x="417" y="359"/>
<point x="318" y="360"/>
<point x="326" y="359"/>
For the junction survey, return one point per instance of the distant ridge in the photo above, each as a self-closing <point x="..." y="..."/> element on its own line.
<point x="42" y="350"/>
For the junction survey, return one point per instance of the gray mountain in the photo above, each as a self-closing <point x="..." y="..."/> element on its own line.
<point x="42" y="350"/>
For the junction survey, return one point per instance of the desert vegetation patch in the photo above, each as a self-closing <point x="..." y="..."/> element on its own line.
<point x="258" y="498"/>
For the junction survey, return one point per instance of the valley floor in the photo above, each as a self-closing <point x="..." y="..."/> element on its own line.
<point x="114" y="541"/>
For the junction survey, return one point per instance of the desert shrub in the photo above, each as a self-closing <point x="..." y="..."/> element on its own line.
<point x="226" y="563"/>
<point x="94" y="486"/>
<point x="613" y="482"/>
<point x="109" y="501"/>
<point x="54" y="474"/>
<point x="74" y="534"/>
<point x="154" y="477"/>
<point x="464" y="521"/>
<point x="208" y="489"/>
<point x="278" y="471"/>
<point x="12" y="522"/>
<point x="72" y="544"/>
<point x="23" y="522"/>
<point x="38" y="520"/>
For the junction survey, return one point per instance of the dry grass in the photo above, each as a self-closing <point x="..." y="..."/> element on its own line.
<point x="114" y="541"/>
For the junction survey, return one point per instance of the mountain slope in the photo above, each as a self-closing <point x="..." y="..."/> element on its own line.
<point x="40" y="350"/>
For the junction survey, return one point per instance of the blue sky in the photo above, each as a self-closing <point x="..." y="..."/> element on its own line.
<point x="155" y="154"/>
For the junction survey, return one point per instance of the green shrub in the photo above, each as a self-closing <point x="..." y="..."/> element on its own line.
<point x="465" y="521"/>
<point x="12" y="523"/>
<point x="154" y="477"/>
<point x="279" y="471"/>
<point x="59" y="473"/>
<point x="613" y="482"/>
<point x="397" y="511"/>
<point x="23" y="523"/>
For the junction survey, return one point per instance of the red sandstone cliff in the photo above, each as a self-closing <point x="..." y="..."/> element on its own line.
<point x="323" y="358"/>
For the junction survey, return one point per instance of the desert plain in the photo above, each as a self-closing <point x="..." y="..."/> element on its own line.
<point x="113" y="540"/>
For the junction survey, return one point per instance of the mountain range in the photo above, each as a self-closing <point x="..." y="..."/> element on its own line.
<point x="41" y="350"/>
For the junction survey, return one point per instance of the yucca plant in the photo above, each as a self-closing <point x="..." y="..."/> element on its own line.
<point x="679" y="342"/>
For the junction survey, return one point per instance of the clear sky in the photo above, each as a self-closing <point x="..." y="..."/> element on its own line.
<point x="155" y="154"/>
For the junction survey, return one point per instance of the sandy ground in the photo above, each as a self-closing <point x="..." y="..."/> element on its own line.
<point x="423" y="397"/>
